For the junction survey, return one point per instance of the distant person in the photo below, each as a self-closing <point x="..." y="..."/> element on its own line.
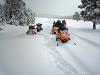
<point x="39" y="27"/>
<point x="53" y="30"/>
<point x="56" y="25"/>
<point x="32" y="30"/>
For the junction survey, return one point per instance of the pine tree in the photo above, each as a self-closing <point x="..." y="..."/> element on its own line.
<point x="16" y="11"/>
<point x="76" y="16"/>
<point x="91" y="11"/>
<point x="30" y="18"/>
<point x="2" y="18"/>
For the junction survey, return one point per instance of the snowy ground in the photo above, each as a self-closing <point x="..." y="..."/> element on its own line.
<point x="21" y="54"/>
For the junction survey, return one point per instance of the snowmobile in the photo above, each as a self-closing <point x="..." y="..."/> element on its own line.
<point x="39" y="27"/>
<point x="31" y="30"/>
<point x="62" y="37"/>
<point x="54" y="29"/>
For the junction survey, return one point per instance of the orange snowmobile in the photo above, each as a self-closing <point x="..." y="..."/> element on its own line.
<point x="54" y="29"/>
<point x="63" y="37"/>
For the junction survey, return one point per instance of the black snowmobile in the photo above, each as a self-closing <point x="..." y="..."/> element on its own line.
<point x="39" y="27"/>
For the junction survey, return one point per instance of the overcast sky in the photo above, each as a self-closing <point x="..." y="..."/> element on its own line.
<point x="54" y="7"/>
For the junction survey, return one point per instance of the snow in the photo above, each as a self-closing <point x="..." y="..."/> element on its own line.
<point x="22" y="54"/>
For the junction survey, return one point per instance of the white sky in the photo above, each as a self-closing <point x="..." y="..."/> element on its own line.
<point x="54" y="7"/>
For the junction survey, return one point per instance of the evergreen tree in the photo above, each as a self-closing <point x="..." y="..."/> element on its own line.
<point x="1" y="13"/>
<point x="15" y="12"/>
<point x="76" y="16"/>
<point x="91" y="11"/>
<point x="30" y="18"/>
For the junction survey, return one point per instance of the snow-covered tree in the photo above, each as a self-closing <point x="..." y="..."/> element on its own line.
<point x="1" y="13"/>
<point x="76" y="16"/>
<point x="30" y="18"/>
<point x="16" y="11"/>
<point x="91" y="11"/>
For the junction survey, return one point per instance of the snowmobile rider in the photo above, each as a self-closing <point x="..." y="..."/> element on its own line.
<point x="63" y="26"/>
<point x="39" y="27"/>
<point x="58" y="24"/>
